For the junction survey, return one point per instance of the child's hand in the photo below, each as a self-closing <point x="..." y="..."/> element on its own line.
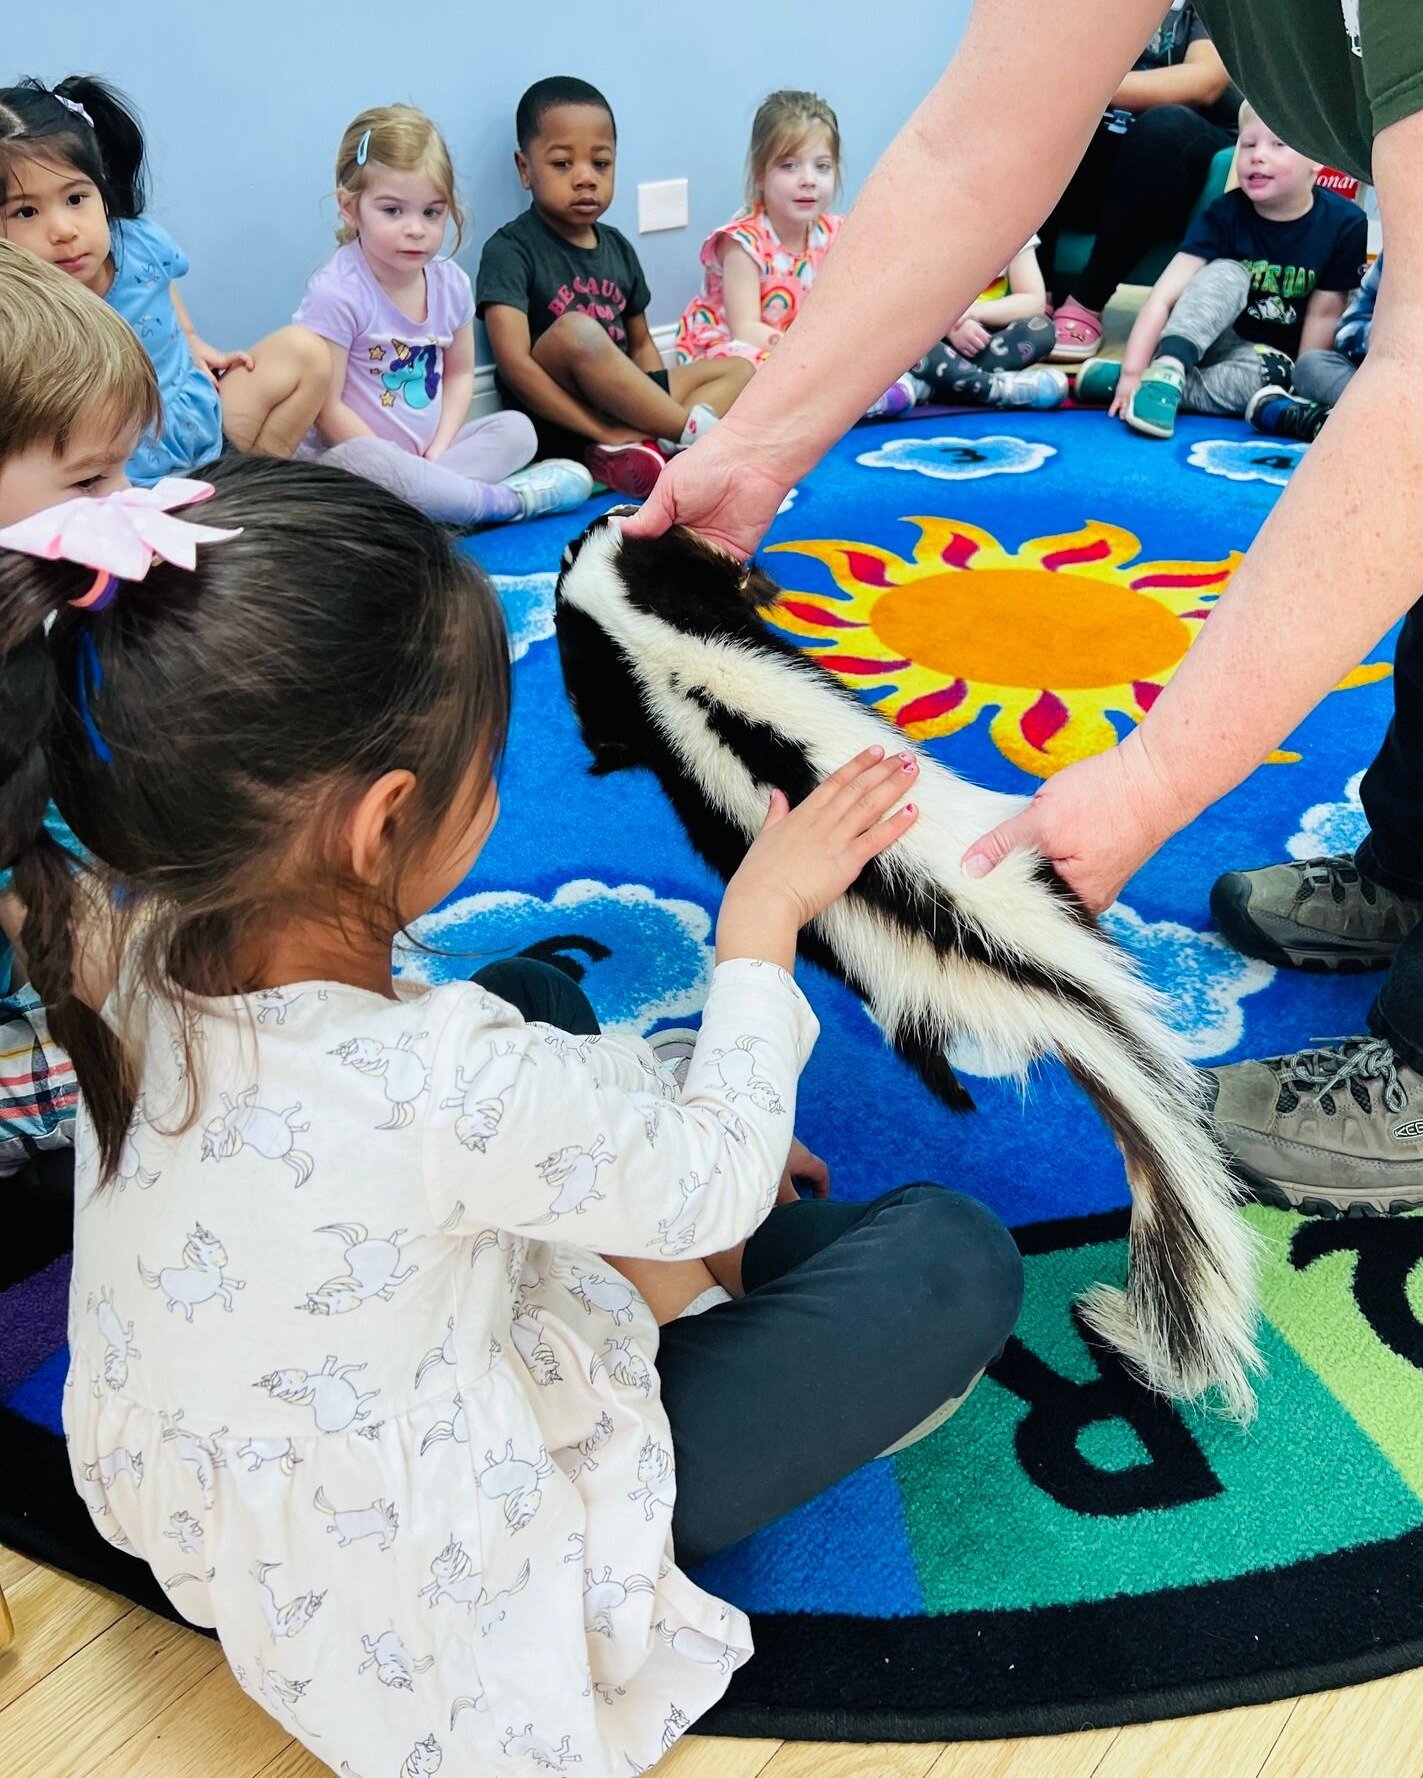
<point x="214" y="363"/>
<point x="802" y="1164"/>
<point x="1126" y="388"/>
<point x="803" y="858"/>
<point x="968" y="337"/>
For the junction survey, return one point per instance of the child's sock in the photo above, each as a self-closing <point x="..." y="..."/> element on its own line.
<point x="709" y="1299"/>
<point x="700" y="419"/>
<point x="439" y="493"/>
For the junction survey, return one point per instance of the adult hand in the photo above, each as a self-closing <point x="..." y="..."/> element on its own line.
<point x="720" y="488"/>
<point x="1097" y="822"/>
<point x="802" y="1164"/>
<point x="968" y="337"/>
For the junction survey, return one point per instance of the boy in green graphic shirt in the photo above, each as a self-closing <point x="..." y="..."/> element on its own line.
<point x="1261" y="276"/>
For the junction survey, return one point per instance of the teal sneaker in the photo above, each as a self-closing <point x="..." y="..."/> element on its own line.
<point x="1097" y="382"/>
<point x="1152" y="408"/>
<point x="556" y="485"/>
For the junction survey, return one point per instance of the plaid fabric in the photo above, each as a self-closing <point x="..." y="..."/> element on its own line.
<point x="38" y="1093"/>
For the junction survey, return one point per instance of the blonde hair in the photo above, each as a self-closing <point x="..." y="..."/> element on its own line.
<point x="406" y="141"/>
<point x="782" y="122"/>
<point x="65" y="357"/>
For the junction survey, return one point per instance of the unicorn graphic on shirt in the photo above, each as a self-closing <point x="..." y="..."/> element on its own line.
<point x="259" y="1451"/>
<point x="455" y="1428"/>
<point x="205" y="1454"/>
<point x="271" y="1134"/>
<point x="350" y="1524"/>
<point x="444" y="1353"/>
<point x="515" y="1481"/>
<point x="394" y="1664"/>
<point x="454" y="1577"/>
<point x="481" y="1111"/>
<point x="275" y="1003"/>
<point x="696" y="1645"/>
<point x="130" y="1169"/>
<point x="372" y="1270"/>
<point x="584" y="1449"/>
<point x="490" y="1609"/>
<point x="117" y="1337"/>
<point x="602" y="1596"/>
<point x="614" y="1297"/>
<point x="679" y="1230"/>
<point x="405" y="1075"/>
<point x="413" y="377"/>
<point x="526" y="1331"/>
<point x="544" y="1754"/>
<point x="187" y="1532"/>
<point x="736" y="1069"/>
<point x="199" y="1279"/>
<point x="284" y="1621"/>
<point x="573" y="1171"/>
<point x="654" y="1472"/>
<point x="336" y="1404"/>
<point x="622" y="1361"/>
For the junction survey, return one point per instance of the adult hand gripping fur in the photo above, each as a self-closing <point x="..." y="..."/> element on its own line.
<point x="670" y="665"/>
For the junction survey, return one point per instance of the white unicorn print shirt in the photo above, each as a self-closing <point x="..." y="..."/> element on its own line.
<point x="348" y="1372"/>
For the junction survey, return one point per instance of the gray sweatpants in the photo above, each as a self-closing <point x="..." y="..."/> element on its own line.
<point x="1222" y="370"/>
<point x="1323" y="376"/>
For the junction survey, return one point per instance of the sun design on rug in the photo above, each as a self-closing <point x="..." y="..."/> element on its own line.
<point x="1052" y="637"/>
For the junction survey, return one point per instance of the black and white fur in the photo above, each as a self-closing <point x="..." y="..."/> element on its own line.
<point x="668" y="665"/>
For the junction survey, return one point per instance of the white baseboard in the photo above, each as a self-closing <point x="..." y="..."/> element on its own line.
<point x="487" y="402"/>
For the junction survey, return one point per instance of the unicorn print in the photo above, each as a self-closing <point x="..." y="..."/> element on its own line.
<point x="204" y="1454"/>
<point x="456" y="1428"/>
<point x="613" y="1296"/>
<point x="118" y="1339"/>
<point x="199" y="1279"/>
<point x="544" y="1754"/>
<point x="335" y="1403"/>
<point x="372" y="1269"/>
<point x="489" y="1609"/>
<point x="680" y="1230"/>
<point x="280" y="1451"/>
<point x="279" y="1694"/>
<point x="481" y="1111"/>
<point x="394" y="1664"/>
<point x="350" y="1524"/>
<point x="695" y="1645"/>
<point x="573" y="1171"/>
<point x="528" y="1335"/>
<point x="654" y="1471"/>
<point x="284" y="1621"/>
<point x="108" y="1467"/>
<point x="186" y="1532"/>
<point x="673" y="1728"/>
<point x="602" y="1596"/>
<point x="402" y="1070"/>
<point x="577" y="1049"/>
<point x="585" y="1447"/>
<point x="275" y="1003"/>
<point x="444" y="1353"/>
<point x="479" y="1703"/>
<point x="736" y="1069"/>
<point x="622" y="1361"/>
<point x="244" y="1124"/>
<point x="130" y="1169"/>
<point x="455" y="1577"/>
<point x="515" y="1481"/>
<point x="423" y="1760"/>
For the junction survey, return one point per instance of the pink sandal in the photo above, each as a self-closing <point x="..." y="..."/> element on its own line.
<point x="1079" y="333"/>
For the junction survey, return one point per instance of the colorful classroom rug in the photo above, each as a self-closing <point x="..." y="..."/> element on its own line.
<point x="1066" y="1551"/>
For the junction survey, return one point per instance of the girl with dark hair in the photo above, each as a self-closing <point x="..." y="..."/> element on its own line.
<point x="72" y="191"/>
<point x="347" y="1370"/>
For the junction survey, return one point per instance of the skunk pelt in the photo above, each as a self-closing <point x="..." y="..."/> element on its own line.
<point x="669" y="665"/>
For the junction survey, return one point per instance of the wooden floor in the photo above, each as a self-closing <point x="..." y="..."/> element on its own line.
<point x="97" y="1687"/>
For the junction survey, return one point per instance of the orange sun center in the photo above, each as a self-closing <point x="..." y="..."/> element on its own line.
<point x="1029" y="627"/>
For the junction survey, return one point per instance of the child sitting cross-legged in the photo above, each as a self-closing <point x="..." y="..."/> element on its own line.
<point x="1261" y="276"/>
<point x="1322" y="376"/>
<point x="565" y="301"/>
<point x="398" y="321"/>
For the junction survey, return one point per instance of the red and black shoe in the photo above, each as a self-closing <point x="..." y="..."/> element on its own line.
<point x="630" y="469"/>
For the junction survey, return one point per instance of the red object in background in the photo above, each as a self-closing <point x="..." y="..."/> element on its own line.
<point x="1333" y="180"/>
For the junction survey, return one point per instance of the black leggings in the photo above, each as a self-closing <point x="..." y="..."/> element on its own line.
<point x="859" y="1321"/>
<point x="952" y="377"/>
<point x="1133" y="191"/>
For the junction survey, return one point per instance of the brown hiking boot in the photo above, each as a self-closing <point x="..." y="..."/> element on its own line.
<point x="1318" y="913"/>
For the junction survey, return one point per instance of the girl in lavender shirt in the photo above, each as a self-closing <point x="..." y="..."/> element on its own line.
<point x="398" y="321"/>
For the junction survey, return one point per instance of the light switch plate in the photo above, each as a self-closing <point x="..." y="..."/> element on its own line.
<point x="661" y="203"/>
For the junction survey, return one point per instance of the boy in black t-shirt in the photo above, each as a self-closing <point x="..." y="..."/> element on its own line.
<point x="1261" y="276"/>
<point x="564" y="301"/>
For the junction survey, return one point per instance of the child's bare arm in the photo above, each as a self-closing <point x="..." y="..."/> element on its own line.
<point x="741" y="287"/>
<point x="511" y="343"/>
<point x="458" y="391"/>
<point x="642" y="348"/>
<point x="336" y="422"/>
<point x="1027" y="294"/>
<point x="1321" y="317"/>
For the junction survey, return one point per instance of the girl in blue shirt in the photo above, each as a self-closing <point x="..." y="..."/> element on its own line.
<point x="72" y="192"/>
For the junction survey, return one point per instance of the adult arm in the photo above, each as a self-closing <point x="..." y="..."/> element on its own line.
<point x="457" y="394"/>
<point x="919" y="245"/>
<point x="1334" y="566"/>
<point x="1198" y="81"/>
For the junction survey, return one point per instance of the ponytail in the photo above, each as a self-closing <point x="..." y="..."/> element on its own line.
<point x="86" y="122"/>
<point x="31" y="594"/>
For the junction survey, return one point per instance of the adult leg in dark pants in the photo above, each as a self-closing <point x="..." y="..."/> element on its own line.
<point x="1341" y="1128"/>
<point x="859" y="1321"/>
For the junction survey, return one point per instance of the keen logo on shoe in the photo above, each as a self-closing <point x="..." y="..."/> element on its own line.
<point x="1407" y="1132"/>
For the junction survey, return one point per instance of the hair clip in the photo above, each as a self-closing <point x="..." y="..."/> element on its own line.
<point x="74" y="106"/>
<point x="363" y="148"/>
<point x="118" y="535"/>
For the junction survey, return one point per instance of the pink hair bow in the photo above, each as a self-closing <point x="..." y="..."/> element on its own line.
<point x="118" y="535"/>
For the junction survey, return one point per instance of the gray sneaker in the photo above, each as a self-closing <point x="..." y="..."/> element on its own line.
<point x="1319" y="913"/>
<point x="1331" y="1132"/>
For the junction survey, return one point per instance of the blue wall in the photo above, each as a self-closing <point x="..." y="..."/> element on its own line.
<point x="244" y="104"/>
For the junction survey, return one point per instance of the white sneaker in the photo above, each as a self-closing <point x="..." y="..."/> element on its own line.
<point x="558" y="484"/>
